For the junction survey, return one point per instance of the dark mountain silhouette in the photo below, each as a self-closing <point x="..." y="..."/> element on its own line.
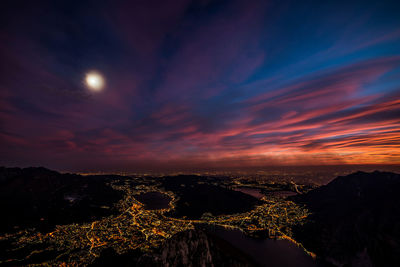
<point x="355" y="220"/>
<point x="197" y="197"/>
<point x="38" y="197"/>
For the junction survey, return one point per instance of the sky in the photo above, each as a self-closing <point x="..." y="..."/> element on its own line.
<point x="199" y="83"/>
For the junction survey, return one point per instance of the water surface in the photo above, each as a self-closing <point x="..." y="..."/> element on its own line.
<point x="255" y="192"/>
<point x="266" y="252"/>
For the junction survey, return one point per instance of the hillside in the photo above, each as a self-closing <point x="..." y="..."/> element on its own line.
<point x="197" y="197"/>
<point x="355" y="220"/>
<point x="38" y="197"/>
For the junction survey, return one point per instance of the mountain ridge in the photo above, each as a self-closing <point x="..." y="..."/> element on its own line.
<point x="355" y="220"/>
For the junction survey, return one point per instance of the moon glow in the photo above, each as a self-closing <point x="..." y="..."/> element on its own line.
<point x="94" y="81"/>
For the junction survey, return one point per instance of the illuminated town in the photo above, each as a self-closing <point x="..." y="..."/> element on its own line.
<point x="137" y="227"/>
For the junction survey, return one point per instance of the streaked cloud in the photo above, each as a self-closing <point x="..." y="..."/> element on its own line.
<point x="196" y="83"/>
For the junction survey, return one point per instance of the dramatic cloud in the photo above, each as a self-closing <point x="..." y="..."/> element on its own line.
<point x="199" y="83"/>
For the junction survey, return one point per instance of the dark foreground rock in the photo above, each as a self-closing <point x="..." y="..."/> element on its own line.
<point x="355" y="220"/>
<point x="190" y="248"/>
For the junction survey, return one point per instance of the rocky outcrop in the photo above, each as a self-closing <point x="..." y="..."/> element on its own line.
<point x="190" y="248"/>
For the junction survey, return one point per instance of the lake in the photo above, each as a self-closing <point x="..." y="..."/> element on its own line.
<point x="266" y="252"/>
<point x="250" y="191"/>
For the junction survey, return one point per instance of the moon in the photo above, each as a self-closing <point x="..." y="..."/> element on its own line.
<point x="94" y="81"/>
